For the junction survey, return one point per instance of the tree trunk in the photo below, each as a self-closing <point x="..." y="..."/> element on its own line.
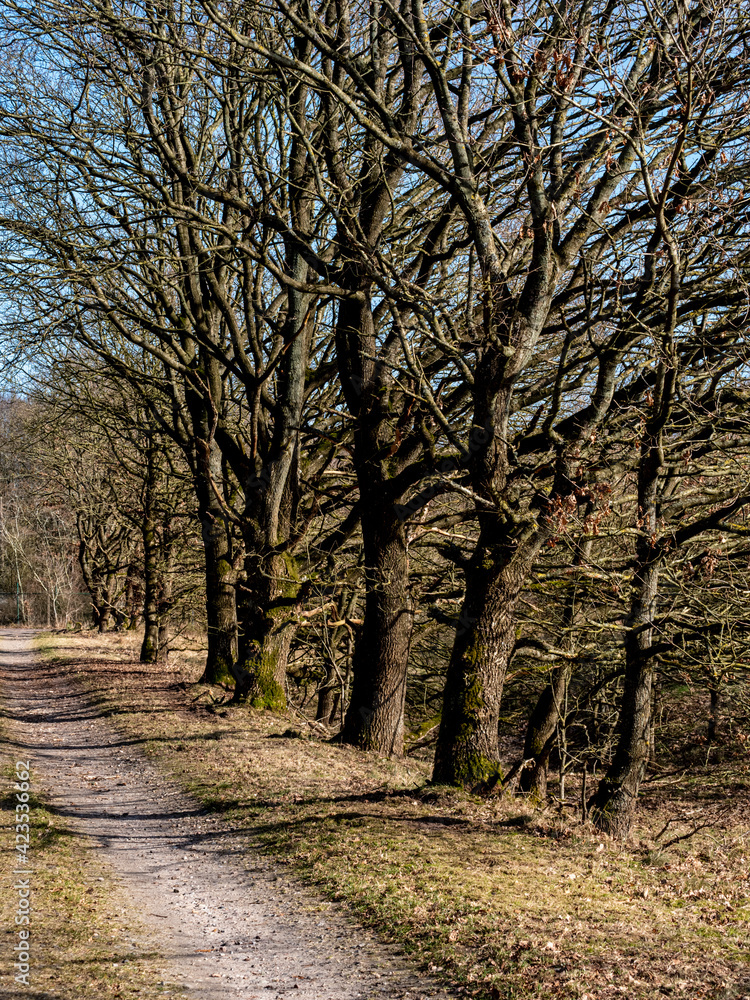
<point x="103" y="613"/>
<point x="164" y="639"/>
<point x="266" y="627"/>
<point x="166" y="593"/>
<point x="714" y="714"/>
<point x="134" y="598"/>
<point x="544" y="719"/>
<point x="221" y="609"/>
<point x="375" y="716"/>
<point x="271" y="588"/>
<point x="374" y="719"/>
<point x="269" y="593"/>
<point x="95" y="608"/>
<point x="540" y="733"/>
<point x="328" y="696"/>
<point x="150" y="644"/>
<point x="328" y="699"/>
<point x="101" y="610"/>
<point x="613" y="806"/>
<point x="467" y="747"/>
<point x="333" y="687"/>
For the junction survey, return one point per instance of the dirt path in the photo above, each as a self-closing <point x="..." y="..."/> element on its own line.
<point x="227" y="922"/>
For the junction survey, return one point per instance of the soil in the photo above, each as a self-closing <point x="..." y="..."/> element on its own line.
<point x="228" y="923"/>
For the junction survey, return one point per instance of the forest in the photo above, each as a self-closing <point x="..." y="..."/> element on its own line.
<point x="398" y="352"/>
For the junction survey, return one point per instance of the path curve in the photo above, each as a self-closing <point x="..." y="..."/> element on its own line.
<point x="230" y="925"/>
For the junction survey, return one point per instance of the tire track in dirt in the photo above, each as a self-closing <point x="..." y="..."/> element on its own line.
<point x="229" y="924"/>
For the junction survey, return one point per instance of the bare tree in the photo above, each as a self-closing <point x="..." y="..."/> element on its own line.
<point x="221" y="303"/>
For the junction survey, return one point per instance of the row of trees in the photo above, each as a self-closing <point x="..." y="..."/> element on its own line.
<point x="96" y="520"/>
<point x="40" y="579"/>
<point x="440" y="312"/>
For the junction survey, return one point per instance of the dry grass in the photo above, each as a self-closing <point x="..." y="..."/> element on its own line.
<point x="506" y="901"/>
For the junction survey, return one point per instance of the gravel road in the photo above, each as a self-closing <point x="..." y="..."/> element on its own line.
<point x="228" y="923"/>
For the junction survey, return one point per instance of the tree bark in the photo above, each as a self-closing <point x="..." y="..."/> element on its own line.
<point x="134" y="597"/>
<point x="166" y="592"/>
<point x="548" y="709"/>
<point x="331" y="691"/>
<point x="102" y="608"/>
<point x="613" y="807"/>
<point x="375" y="717"/>
<point x="264" y="605"/>
<point x="328" y="699"/>
<point x="150" y="644"/>
<point x="540" y="732"/>
<point x="271" y="587"/>
<point x="467" y="746"/>
<point x="221" y="610"/>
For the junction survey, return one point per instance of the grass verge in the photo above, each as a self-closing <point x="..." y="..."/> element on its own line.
<point x="503" y="900"/>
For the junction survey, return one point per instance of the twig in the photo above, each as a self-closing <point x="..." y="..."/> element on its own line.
<point x="686" y="836"/>
<point x="709" y="821"/>
<point x="312" y="723"/>
<point x="424" y="740"/>
<point x="584" y="803"/>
